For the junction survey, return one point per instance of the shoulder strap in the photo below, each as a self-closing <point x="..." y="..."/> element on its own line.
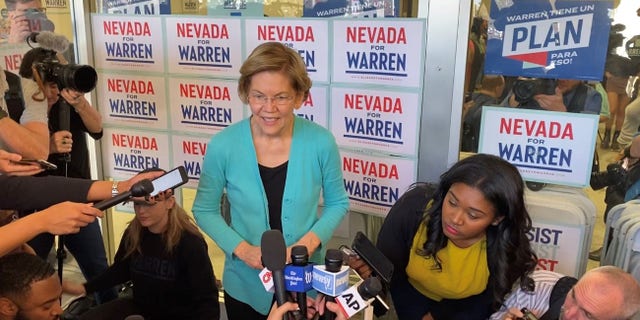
<point x="557" y="297"/>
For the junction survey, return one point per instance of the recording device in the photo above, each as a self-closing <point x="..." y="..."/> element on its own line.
<point x="38" y="20"/>
<point x="139" y="189"/>
<point x="298" y="276"/>
<point x="78" y="77"/>
<point x="44" y="164"/>
<point x="358" y="297"/>
<point x="527" y="315"/>
<point x="376" y="260"/>
<point x="170" y="180"/>
<point x="274" y="253"/>
<point x="524" y="89"/>
<point x="332" y="278"/>
<point x="48" y="40"/>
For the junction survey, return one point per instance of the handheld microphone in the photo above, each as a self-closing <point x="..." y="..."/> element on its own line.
<point x="332" y="278"/>
<point x="298" y="276"/>
<point x="274" y="256"/>
<point x="139" y="189"/>
<point x="357" y="298"/>
<point x="49" y="40"/>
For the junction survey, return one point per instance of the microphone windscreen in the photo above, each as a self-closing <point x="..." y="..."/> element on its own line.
<point x="52" y="41"/>
<point x="333" y="260"/>
<point x="142" y="188"/>
<point x="299" y="255"/>
<point x="369" y="288"/>
<point x="273" y="249"/>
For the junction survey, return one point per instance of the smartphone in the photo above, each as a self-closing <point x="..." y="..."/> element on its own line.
<point x="44" y="164"/>
<point x="378" y="262"/>
<point x="169" y="180"/>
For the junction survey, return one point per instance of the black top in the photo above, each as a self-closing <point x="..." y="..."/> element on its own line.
<point x="32" y="193"/>
<point x="273" y="180"/>
<point x="79" y="165"/>
<point x="180" y="285"/>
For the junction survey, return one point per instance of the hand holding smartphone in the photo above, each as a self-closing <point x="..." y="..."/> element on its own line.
<point x="44" y="164"/>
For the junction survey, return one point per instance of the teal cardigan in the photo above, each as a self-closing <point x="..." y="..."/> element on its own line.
<point x="230" y="164"/>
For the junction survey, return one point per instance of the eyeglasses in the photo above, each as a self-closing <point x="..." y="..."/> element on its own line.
<point x="280" y="100"/>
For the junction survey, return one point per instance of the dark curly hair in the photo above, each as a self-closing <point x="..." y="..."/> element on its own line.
<point x="18" y="271"/>
<point x="509" y="253"/>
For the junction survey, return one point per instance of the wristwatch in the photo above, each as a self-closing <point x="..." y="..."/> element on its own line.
<point x="3" y="113"/>
<point x="114" y="189"/>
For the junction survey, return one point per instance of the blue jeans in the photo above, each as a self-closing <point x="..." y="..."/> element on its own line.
<point x="87" y="248"/>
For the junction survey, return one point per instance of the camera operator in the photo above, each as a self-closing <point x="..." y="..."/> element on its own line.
<point x="68" y="149"/>
<point x="565" y="95"/>
<point x="25" y="134"/>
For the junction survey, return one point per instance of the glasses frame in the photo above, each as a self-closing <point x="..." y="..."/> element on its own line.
<point x="281" y="99"/>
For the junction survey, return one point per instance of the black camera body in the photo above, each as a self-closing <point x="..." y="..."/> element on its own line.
<point x="525" y="89"/>
<point x="77" y="77"/>
<point x="615" y="174"/>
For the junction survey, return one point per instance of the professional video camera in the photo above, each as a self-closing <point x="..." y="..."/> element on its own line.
<point x="525" y="89"/>
<point x="77" y="77"/>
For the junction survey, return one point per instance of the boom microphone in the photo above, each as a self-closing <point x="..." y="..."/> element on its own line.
<point x="139" y="189"/>
<point x="356" y="298"/>
<point x="274" y="257"/>
<point x="49" y="40"/>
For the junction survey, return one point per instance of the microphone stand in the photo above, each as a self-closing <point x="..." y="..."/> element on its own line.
<point x="64" y="121"/>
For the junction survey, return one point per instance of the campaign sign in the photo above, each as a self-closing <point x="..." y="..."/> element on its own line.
<point x="203" y="105"/>
<point x="12" y="56"/>
<point x="127" y="152"/>
<point x="558" y="247"/>
<point x="373" y="183"/>
<point x="132" y="100"/>
<point x="316" y="107"/>
<point x="310" y="38"/>
<point x="546" y="146"/>
<point x="192" y="151"/>
<point x="548" y="39"/>
<point x="342" y="8"/>
<point x="385" y="52"/>
<point x="199" y="45"/>
<point x="131" y="43"/>
<point x="385" y="121"/>
<point x="137" y="7"/>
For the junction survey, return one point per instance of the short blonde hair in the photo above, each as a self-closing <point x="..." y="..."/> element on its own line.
<point x="274" y="56"/>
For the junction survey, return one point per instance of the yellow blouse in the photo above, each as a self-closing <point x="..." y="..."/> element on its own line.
<point x="464" y="273"/>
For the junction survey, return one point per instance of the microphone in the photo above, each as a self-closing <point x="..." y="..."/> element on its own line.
<point x="332" y="278"/>
<point x="49" y="40"/>
<point x="139" y="189"/>
<point x="274" y="256"/>
<point x="357" y="298"/>
<point x="298" y="276"/>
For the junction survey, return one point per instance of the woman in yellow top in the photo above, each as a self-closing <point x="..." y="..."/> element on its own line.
<point x="459" y="247"/>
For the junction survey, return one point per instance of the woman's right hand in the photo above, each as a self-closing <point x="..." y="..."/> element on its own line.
<point x="60" y="142"/>
<point x="251" y="255"/>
